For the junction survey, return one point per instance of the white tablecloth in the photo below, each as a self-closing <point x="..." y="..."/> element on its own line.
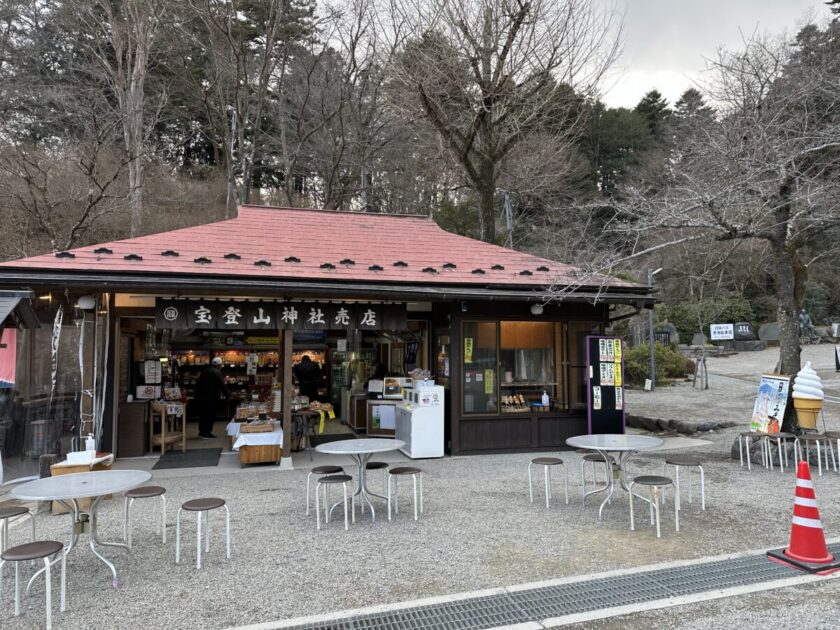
<point x="273" y="438"/>
<point x="233" y="428"/>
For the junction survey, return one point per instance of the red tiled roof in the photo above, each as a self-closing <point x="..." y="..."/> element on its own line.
<point x="265" y="242"/>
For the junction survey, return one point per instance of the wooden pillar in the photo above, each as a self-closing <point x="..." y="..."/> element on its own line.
<point x="288" y="392"/>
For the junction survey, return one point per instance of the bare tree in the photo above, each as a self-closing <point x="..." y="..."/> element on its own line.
<point x="490" y="74"/>
<point x="766" y="169"/>
<point x="118" y="38"/>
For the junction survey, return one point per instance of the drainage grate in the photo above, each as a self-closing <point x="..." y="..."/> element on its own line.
<point x="573" y="598"/>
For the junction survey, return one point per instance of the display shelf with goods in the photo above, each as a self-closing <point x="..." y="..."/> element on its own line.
<point x="248" y="373"/>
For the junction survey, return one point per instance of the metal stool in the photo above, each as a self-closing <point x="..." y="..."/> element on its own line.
<point x="383" y="466"/>
<point x="395" y="474"/>
<point x="326" y="482"/>
<point x="547" y="463"/>
<point x="745" y="438"/>
<point x="816" y="438"/>
<point x="594" y="459"/>
<point x="684" y="461"/>
<point x="144" y="492"/>
<point x="654" y="482"/>
<point x="780" y="438"/>
<point x="320" y="470"/>
<point x="203" y="507"/>
<point x="7" y="513"/>
<point x="835" y="435"/>
<point x="50" y="551"/>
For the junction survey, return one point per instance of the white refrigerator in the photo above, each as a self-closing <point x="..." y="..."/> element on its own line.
<point x="419" y="423"/>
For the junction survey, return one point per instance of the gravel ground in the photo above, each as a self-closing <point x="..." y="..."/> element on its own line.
<point x="479" y="531"/>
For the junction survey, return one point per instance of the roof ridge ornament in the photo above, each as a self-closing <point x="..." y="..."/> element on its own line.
<point x="65" y="254"/>
<point x="233" y="256"/>
<point x="133" y="257"/>
<point x="429" y="270"/>
<point x="170" y="252"/>
<point x="103" y="250"/>
<point x="376" y="268"/>
<point x="348" y="261"/>
<point x="450" y="265"/>
<point x="498" y="267"/>
<point x="202" y="260"/>
<point x="543" y="268"/>
<point x="400" y="263"/>
<point x="328" y="265"/>
<point x="292" y="259"/>
<point x="478" y="271"/>
<point x="262" y="263"/>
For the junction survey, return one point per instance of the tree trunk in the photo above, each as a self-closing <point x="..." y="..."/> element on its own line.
<point x="787" y="280"/>
<point x="487" y="202"/>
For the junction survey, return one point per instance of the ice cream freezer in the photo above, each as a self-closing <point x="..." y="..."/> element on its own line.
<point x="419" y="423"/>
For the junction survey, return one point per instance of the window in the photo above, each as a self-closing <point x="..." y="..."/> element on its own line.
<point x="526" y="364"/>
<point x="509" y="365"/>
<point x="480" y="367"/>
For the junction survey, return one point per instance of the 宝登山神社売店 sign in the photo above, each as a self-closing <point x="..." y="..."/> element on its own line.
<point x="225" y="315"/>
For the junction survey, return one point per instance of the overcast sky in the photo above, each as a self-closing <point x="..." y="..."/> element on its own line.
<point x="665" y="41"/>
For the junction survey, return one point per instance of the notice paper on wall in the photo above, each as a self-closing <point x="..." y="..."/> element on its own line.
<point x="468" y="349"/>
<point x="619" y="398"/>
<point x="606" y="350"/>
<point x="596" y="397"/>
<point x="151" y="372"/>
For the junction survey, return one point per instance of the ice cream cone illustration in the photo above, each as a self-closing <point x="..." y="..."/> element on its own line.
<point x="807" y="397"/>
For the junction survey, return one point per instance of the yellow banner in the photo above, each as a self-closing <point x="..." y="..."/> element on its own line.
<point x="618" y="375"/>
<point x="489" y="387"/>
<point x="331" y="414"/>
<point x="321" y="424"/>
<point x="468" y="349"/>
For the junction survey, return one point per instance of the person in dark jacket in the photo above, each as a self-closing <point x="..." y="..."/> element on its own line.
<point x="210" y="390"/>
<point x="308" y="375"/>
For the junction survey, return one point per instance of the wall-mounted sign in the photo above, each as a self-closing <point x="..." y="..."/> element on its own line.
<point x="224" y="315"/>
<point x="722" y="332"/>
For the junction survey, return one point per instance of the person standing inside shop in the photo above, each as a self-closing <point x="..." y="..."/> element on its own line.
<point x="210" y="390"/>
<point x="308" y="375"/>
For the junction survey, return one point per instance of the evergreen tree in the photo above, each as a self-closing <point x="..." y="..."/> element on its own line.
<point x="654" y="109"/>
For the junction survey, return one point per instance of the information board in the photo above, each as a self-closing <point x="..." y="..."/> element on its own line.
<point x="605" y="385"/>
<point x="722" y="332"/>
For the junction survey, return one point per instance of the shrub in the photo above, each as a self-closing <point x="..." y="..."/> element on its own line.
<point x="691" y="317"/>
<point x="669" y="364"/>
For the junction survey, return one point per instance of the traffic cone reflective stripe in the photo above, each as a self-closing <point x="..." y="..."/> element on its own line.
<point x="807" y="539"/>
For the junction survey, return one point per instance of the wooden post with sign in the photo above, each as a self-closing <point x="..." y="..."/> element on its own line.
<point x="288" y="392"/>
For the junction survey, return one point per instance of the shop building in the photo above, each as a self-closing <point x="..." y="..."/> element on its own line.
<point x="352" y="291"/>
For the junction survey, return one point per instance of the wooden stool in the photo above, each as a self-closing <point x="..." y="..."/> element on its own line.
<point x="656" y="484"/>
<point x="203" y="507"/>
<point x="144" y="492"/>
<point x="326" y="482"/>
<point x="7" y="513"/>
<point x="41" y="549"/>
<point x="547" y="463"/>
<point x="684" y="461"/>
<point x="320" y="470"/>
<point x="396" y="473"/>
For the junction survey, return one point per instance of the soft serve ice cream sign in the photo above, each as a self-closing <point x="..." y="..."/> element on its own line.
<point x="807" y="397"/>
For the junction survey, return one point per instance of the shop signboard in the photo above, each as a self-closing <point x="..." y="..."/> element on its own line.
<point x="770" y="403"/>
<point x="722" y="332"/>
<point x="605" y="391"/>
<point x="247" y="315"/>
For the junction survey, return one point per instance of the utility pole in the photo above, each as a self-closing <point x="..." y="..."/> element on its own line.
<point x="650" y="274"/>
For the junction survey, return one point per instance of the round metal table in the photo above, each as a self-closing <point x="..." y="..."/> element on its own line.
<point x="66" y="489"/>
<point x="361" y="451"/>
<point x="619" y="443"/>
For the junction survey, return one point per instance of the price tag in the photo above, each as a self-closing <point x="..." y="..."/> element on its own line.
<point x="331" y="414"/>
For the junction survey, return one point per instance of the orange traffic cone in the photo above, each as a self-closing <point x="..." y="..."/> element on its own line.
<point x="807" y="549"/>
